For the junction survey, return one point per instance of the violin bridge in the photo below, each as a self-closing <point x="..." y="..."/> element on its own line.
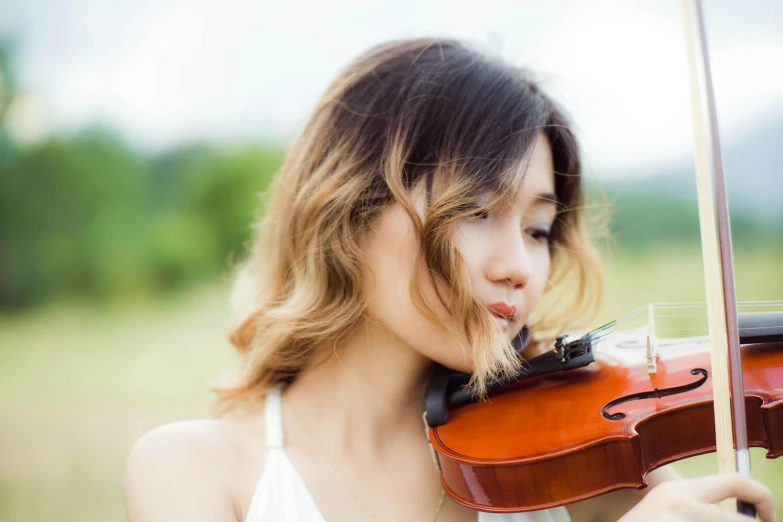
<point x="652" y="342"/>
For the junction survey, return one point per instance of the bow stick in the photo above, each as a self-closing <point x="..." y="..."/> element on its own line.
<point x="729" y="395"/>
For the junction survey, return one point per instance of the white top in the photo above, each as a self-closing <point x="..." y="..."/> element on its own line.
<point x="282" y="496"/>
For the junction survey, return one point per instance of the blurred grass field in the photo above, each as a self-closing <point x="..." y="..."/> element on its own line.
<point x="79" y="383"/>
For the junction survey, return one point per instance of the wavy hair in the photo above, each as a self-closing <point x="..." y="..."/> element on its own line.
<point x="430" y="110"/>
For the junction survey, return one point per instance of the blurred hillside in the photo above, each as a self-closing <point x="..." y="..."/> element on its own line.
<point x="650" y="209"/>
<point x="650" y="220"/>
<point x="753" y="167"/>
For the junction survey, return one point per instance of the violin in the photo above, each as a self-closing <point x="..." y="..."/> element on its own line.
<point x="582" y="419"/>
<point x="573" y="426"/>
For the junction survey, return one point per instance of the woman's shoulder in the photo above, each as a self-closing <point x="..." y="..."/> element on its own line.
<point x="202" y="469"/>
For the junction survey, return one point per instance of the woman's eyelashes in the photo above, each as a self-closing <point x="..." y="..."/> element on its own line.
<point x="540" y="235"/>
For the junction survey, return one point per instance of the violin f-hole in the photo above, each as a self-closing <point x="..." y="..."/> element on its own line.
<point x="653" y="394"/>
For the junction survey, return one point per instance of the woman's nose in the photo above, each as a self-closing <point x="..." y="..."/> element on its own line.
<point x="510" y="262"/>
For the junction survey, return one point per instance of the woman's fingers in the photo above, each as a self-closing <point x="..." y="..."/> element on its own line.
<point x="708" y="512"/>
<point x="714" y="488"/>
<point x="693" y="500"/>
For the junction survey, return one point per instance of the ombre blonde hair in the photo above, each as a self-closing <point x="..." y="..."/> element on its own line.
<point x="428" y="110"/>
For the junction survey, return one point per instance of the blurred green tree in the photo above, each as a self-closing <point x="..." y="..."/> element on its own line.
<point x="87" y="215"/>
<point x="8" y="90"/>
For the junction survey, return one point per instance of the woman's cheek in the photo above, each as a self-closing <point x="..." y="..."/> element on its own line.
<point x="542" y="262"/>
<point x="470" y="241"/>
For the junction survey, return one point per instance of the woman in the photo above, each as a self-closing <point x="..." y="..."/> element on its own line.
<point x="431" y="207"/>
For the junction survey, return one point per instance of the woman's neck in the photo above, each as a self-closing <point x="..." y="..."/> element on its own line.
<point x="367" y="397"/>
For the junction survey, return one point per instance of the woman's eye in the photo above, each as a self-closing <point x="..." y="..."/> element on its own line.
<point x="541" y="235"/>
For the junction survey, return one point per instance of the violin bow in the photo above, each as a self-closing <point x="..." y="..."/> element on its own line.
<point x="728" y="390"/>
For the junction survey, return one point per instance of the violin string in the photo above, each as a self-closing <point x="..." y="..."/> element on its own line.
<point x="702" y="305"/>
<point x="689" y="305"/>
<point x="694" y="307"/>
<point x="755" y="329"/>
<point x="688" y="315"/>
<point x="596" y="338"/>
<point x="645" y="309"/>
<point x="745" y="306"/>
<point x="668" y="342"/>
<point x="601" y="333"/>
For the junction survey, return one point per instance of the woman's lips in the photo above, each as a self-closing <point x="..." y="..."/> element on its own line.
<point x="503" y="311"/>
<point x="502" y="321"/>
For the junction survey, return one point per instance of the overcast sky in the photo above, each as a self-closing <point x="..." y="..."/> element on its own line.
<point x="167" y="71"/>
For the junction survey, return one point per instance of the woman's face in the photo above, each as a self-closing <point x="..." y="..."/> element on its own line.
<point x="506" y="254"/>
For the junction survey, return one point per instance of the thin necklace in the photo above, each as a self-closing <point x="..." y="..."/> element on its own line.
<point x="359" y="501"/>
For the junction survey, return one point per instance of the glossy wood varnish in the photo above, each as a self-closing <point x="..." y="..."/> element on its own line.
<point x="544" y="442"/>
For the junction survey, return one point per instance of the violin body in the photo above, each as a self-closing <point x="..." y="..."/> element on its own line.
<point x="569" y="436"/>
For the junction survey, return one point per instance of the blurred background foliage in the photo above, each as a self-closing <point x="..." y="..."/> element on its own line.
<point x="113" y="295"/>
<point x="85" y="215"/>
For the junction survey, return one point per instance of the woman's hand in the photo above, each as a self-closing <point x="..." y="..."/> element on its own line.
<point x="692" y="500"/>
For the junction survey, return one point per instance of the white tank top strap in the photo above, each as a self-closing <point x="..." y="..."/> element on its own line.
<point x="273" y="418"/>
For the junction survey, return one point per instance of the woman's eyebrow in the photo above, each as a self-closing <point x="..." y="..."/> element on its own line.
<point x="547" y="198"/>
<point x="542" y="199"/>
